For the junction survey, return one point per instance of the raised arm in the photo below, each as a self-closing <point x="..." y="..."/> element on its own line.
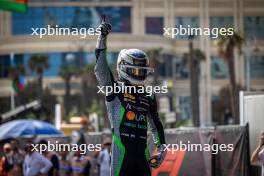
<point x="102" y="71"/>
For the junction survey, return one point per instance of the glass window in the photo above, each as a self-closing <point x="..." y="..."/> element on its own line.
<point x="55" y="61"/>
<point x="219" y="68"/>
<point x="161" y="68"/>
<point x="257" y="67"/>
<point x="254" y="26"/>
<point x="181" y="67"/>
<point x="186" y="22"/>
<point x="71" y="17"/>
<point x="221" y="22"/>
<point x="22" y="23"/>
<point x="164" y="65"/>
<point x="185" y="107"/>
<point x="154" y="25"/>
<point x="6" y="63"/>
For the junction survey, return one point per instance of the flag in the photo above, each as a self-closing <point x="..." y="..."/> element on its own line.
<point x="14" y="5"/>
<point x="19" y="80"/>
<point x="19" y="84"/>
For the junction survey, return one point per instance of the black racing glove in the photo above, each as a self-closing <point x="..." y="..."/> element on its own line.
<point x="156" y="160"/>
<point x="105" y="29"/>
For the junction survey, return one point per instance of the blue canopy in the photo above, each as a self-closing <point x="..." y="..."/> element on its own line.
<point x="26" y="127"/>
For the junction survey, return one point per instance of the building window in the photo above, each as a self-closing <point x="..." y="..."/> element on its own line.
<point x="221" y="22"/>
<point x="6" y="63"/>
<point x="191" y="22"/>
<point x="254" y="26"/>
<point x="71" y="17"/>
<point x="219" y="68"/>
<point x="163" y="66"/>
<point x="4" y="66"/>
<point x="154" y="25"/>
<point x="181" y="67"/>
<point x="257" y="67"/>
<point x="184" y="104"/>
<point x="55" y="61"/>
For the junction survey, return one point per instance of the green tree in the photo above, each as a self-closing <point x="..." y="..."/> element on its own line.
<point x="16" y="70"/>
<point x="222" y="104"/>
<point x="67" y="72"/>
<point x="88" y="84"/>
<point x="96" y="108"/>
<point x="226" y="46"/>
<point x="30" y="93"/>
<point x="38" y="63"/>
<point x="154" y="54"/>
<point x="195" y="57"/>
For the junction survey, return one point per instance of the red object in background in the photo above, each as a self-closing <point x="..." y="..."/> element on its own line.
<point x="171" y="164"/>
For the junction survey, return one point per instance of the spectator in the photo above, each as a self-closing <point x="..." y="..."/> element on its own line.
<point x="80" y="165"/>
<point x="258" y="154"/>
<point x="104" y="158"/>
<point x="35" y="164"/>
<point x="65" y="165"/>
<point x="7" y="161"/>
<point x="95" y="164"/>
<point x="52" y="157"/>
<point x="18" y="157"/>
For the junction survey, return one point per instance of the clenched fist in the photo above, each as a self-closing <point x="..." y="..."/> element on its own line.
<point x="105" y="27"/>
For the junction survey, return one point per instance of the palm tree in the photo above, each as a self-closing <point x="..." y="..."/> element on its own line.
<point x="195" y="57"/>
<point x="88" y="81"/>
<point x="15" y="71"/>
<point x="67" y="72"/>
<point x="38" y="63"/>
<point x="226" y="46"/>
<point x="154" y="54"/>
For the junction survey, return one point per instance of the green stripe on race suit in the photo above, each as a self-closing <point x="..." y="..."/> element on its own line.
<point x="121" y="147"/>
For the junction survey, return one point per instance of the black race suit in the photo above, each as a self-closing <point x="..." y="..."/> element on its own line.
<point x="130" y="115"/>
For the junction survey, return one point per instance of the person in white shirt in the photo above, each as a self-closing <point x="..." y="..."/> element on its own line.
<point x="258" y="154"/>
<point x="104" y="158"/>
<point x="35" y="164"/>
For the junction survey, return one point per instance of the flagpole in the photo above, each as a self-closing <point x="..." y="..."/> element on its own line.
<point x="12" y="99"/>
<point x="12" y="89"/>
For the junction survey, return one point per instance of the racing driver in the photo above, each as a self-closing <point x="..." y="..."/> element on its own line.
<point x="130" y="113"/>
